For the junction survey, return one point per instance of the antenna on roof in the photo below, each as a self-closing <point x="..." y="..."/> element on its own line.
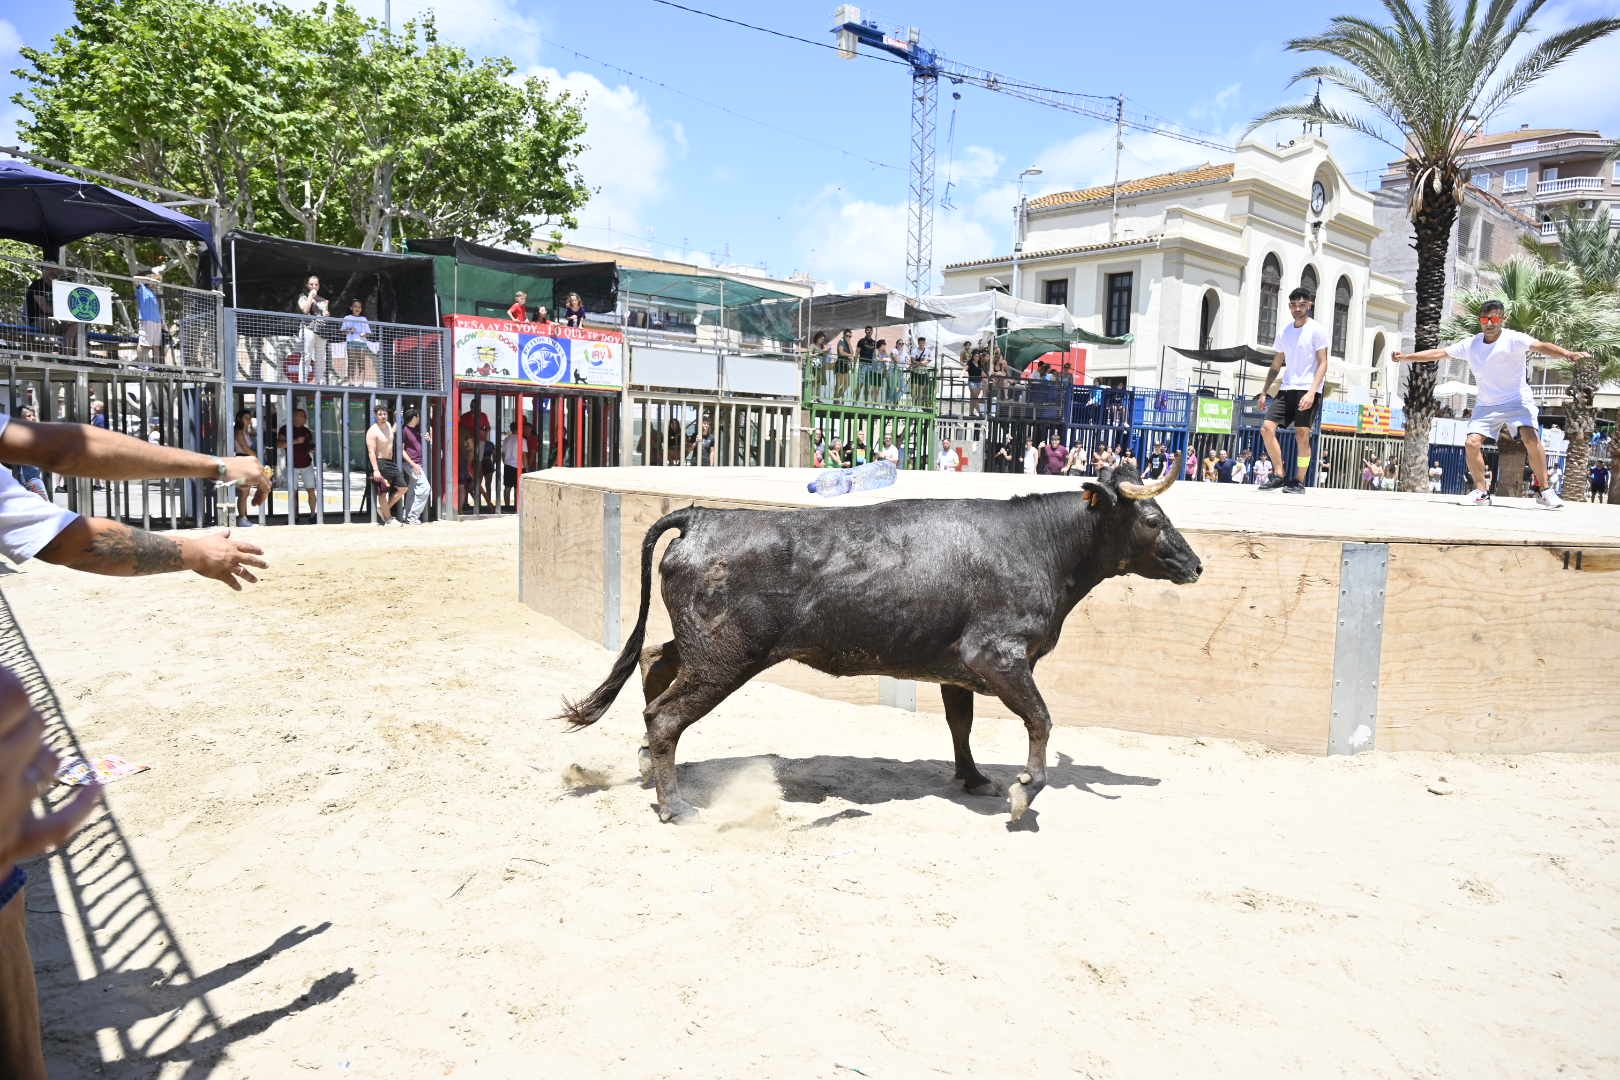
<point x="1316" y="104"/>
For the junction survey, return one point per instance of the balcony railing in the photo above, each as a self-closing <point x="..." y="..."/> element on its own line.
<point x="180" y="334"/>
<point x="280" y="347"/>
<point x="1549" y="393"/>
<point x="868" y="384"/>
<point x="1521" y="149"/>
<point x="1570" y="185"/>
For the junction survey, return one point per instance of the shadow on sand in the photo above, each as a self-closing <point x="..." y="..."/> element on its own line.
<point x="131" y="1003"/>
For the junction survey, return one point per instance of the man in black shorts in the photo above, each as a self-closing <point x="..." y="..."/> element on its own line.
<point x="1302" y="356"/>
<point x="385" y="471"/>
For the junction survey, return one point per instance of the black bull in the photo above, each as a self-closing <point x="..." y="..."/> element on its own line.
<point x="967" y="593"/>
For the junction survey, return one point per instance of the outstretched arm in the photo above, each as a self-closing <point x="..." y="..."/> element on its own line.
<point x="100" y="546"/>
<point x="100" y="454"/>
<point x="1547" y="348"/>
<point x="1419" y="357"/>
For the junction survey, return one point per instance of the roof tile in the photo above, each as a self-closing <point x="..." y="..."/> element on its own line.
<point x="1203" y="174"/>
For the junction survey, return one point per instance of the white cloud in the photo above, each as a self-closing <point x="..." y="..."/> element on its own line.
<point x="1584" y="91"/>
<point x="625" y="160"/>
<point x="10" y="40"/>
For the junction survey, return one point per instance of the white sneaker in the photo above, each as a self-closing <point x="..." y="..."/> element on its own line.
<point x="1548" y="500"/>
<point x="1477" y="498"/>
<point x="245" y="523"/>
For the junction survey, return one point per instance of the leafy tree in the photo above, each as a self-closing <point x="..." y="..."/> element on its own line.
<point x="316" y="124"/>
<point x="1428" y="86"/>
<point x="1552" y="302"/>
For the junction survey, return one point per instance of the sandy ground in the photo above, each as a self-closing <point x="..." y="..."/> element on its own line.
<point x="363" y="850"/>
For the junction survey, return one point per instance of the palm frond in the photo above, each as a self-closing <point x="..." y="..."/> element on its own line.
<point x="1322" y="114"/>
<point x="1546" y="56"/>
<point x="1374" y="95"/>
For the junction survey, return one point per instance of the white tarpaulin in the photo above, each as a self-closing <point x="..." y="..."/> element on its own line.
<point x="972" y="315"/>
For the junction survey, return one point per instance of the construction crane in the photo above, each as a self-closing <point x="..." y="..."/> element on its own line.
<point x="927" y="68"/>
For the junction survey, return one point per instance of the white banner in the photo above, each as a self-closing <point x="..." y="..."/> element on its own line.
<point x="73" y="302"/>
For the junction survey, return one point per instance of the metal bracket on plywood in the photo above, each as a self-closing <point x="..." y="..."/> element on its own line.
<point x="610" y="570"/>
<point x="1358" y="645"/>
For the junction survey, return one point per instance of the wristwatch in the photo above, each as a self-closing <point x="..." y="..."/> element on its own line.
<point x="219" y="468"/>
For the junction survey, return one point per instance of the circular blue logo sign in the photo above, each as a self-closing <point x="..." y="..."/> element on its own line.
<point x="83" y="304"/>
<point x="543" y="360"/>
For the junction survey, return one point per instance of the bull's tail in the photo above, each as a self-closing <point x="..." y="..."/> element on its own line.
<point x="589" y="710"/>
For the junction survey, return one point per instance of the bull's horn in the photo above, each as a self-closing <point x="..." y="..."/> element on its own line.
<point x="1155" y="489"/>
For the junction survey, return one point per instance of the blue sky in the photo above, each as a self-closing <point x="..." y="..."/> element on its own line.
<point x="730" y="146"/>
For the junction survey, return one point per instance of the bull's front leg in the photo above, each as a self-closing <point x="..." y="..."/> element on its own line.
<point x="1014" y="683"/>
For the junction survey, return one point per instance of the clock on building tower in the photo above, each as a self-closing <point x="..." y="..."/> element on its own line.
<point x="1318" y="197"/>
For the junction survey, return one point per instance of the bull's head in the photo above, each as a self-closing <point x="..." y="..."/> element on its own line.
<point x="1153" y="547"/>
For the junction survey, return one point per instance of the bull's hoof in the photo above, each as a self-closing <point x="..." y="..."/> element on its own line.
<point x="677" y="811"/>
<point x="1020" y="794"/>
<point x="644" y="764"/>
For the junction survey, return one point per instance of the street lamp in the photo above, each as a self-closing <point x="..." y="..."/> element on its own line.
<point x="1018" y="226"/>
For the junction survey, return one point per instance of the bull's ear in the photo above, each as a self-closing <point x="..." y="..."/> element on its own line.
<point x="1100" y="496"/>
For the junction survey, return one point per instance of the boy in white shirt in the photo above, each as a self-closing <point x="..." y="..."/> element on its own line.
<point x="1302" y="354"/>
<point x="1498" y="357"/>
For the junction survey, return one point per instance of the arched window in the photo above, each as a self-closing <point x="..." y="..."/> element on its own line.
<point x="1270" y="285"/>
<point x="1341" y="317"/>
<point x="1308" y="279"/>
<point x="1206" y="319"/>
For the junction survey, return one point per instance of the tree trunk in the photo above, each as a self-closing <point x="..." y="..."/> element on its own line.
<point x="1510" y="462"/>
<point x="1582" y="419"/>
<point x="1432" y="228"/>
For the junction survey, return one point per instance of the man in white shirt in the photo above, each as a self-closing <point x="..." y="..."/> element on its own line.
<point x="1302" y="355"/>
<point x="31" y="527"/>
<point x="891" y="452"/>
<point x="948" y="459"/>
<point x="1498" y="358"/>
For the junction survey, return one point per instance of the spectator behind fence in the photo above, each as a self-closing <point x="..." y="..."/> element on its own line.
<point x="149" y="312"/>
<point x="974" y="363"/>
<point x="1074" y="463"/>
<point x="357" y="335"/>
<point x="411" y="438"/>
<point x="702" y="449"/>
<point x="1054" y="458"/>
<point x="1029" y="454"/>
<point x="242" y="441"/>
<point x="389" y="481"/>
<point x="310" y="302"/>
<point x="303" y="460"/>
<point x="890" y="452"/>
<point x="844" y="359"/>
<point x="1223" y="467"/>
<point x="37" y="302"/>
<point x="1598" y="481"/>
<point x="511" y="455"/>
<point x="947" y="460"/>
<point x="1436" y="475"/>
<point x="519" y="311"/>
<point x="1262" y="470"/>
<point x="1156" y="463"/>
<point x="573" y="310"/>
<point x="1240" y="468"/>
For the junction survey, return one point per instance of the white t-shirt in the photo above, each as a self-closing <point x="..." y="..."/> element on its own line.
<point x="1299" y="344"/>
<point x="948" y="459"/>
<point x="509" y="449"/>
<point x="1030" y="457"/>
<point x="1240" y="471"/>
<point x="1499" y="368"/>
<point x="27" y="522"/>
<point x="891" y="454"/>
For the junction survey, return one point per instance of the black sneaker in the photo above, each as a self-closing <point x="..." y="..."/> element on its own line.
<point x="1273" y="484"/>
<point x="1293" y="487"/>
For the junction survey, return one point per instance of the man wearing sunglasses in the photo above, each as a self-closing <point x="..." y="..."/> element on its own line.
<point x="1498" y="357"/>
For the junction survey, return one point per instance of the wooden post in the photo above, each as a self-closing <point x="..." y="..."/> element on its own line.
<point x="1510" y="463"/>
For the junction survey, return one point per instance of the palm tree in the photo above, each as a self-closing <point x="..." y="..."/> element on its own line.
<point x="1551" y="301"/>
<point x="1431" y="85"/>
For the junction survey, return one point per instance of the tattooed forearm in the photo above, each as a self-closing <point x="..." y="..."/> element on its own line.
<point x="119" y="549"/>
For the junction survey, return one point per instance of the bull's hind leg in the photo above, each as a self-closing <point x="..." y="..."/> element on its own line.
<point x="1014" y="683"/>
<point x="683" y="704"/>
<point x="659" y="665"/>
<point x="959" y="715"/>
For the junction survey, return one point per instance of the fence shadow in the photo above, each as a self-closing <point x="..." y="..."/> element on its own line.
<point x="118" y="995"/>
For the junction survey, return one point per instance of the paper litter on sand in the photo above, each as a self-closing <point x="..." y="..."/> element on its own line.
<point x="102" y="770"/>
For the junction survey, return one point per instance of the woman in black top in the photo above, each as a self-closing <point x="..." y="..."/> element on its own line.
<point x="975" y="377"/>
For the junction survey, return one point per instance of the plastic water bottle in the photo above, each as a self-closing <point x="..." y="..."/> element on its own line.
<point x="875" y="474"/>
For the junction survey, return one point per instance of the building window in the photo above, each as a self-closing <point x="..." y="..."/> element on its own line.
<point x="1465" y="232"/>
<point x="1056" y="292"/>
<point x="1270" y="285"/>
<point x="1118" y="321"/>
<point x="1549" y="172"/>
<point x="1617" y="172"/>
<point x="1515" y="180"/>
<point x="1341" y="317"/>
<point x="1308" y="280"/>
<point x="1480" y="178"/>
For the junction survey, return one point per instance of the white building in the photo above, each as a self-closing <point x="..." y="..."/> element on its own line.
<point x="1205" y="258"/>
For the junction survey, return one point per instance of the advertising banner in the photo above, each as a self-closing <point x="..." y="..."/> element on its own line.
<point x="73" y="302"/>
<point x="1214" y="416"/>
<point x="1341" y="416"/>
<point x="1381" y="420"/>
<point x="536" y="354"/>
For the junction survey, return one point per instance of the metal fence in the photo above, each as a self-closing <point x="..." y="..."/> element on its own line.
<point x="149" y="323"/>
<point x="1003" y="398"/>
<point x="868" y="384"/>
<point x="282" y="348"/>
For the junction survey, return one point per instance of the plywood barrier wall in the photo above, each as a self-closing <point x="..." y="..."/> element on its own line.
<point x="1500" y="649"/>
<point x="1484" y="647"/>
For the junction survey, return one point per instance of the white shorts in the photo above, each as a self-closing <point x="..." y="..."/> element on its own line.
<point x="305" y="478"/>
<point x="1512" y="415"/>
<point x="152" y="334"/>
